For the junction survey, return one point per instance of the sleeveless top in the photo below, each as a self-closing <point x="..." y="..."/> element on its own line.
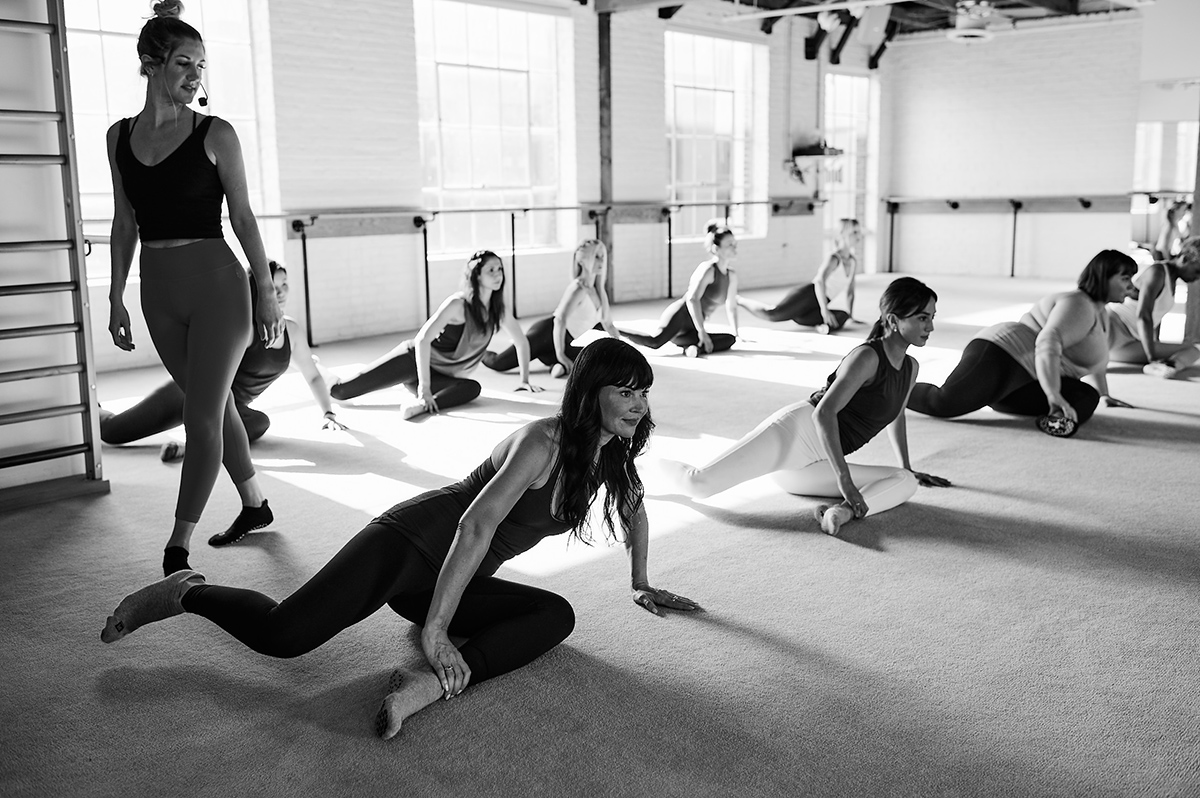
<point x="583" y="315"/>
<point x="837" y="281"/>
<point x="180" y="196"/>
<point x="715" y="293"/>
<point x="430" y="520"/>
<point x="875" y="405"/>
<point x="1019" y="340"/>
<point x="459" y="347"/>
<point x="259" y="368"/>
<point x="1126" y="311"/>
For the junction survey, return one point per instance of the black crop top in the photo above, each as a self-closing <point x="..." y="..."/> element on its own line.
<point x="875" y="405"/>
<point x="180" y="196"/>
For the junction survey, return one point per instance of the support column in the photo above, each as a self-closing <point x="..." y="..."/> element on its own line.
<point x="604" y="223"/>
<point x="1191" y="324"/>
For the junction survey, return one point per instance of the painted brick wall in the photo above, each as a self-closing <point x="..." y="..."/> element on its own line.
<point x="1042" y="113"/>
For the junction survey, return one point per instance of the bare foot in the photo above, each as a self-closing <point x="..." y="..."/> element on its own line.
<point x="409" y="691"/>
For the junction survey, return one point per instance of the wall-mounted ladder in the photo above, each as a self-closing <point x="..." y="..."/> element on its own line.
<point x="79" y="326"/>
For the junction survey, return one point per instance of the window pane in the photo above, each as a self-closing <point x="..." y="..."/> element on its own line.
<point x="543" y="96"/>
<point x="456" y="157"/>
<point x="88" y="92"/>
<point x="423" y="24"/>
<point x="724" y="162"/>
<point x="723" y="63"/>
<point x="685" y="159"/>
<point x="485" y="97"/>
<point x="705" y="161"/>
<point x="514" y="99"/>
<point x="723" y="111"/>
<point x="91" y="152"/>
<point x="450" y="32"/>
<point x="81" y="14"/>
<point x="543" y="160"/>
<point x="485" y="158"/>
<point x="514" y="43"/>
<point x="685" y="111"/>
<point x="705" y="122"/>
<point x="431" y="171"/>
<point x="704" y="60"/>
<point x="453" y="95"/>
<point x="542" y="43"/>
<point x="427" y="94"/>
<point x="127" y="16"/>
<point x="515" y="150"/>
<point x="126" y="88"/>
<point x="684" y="66"/>
<point x="482" y="45"/>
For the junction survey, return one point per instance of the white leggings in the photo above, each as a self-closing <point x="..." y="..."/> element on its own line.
<point x="786" y="446"/>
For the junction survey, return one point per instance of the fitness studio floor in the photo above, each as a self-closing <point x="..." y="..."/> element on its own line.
<point x="1029" y="632"/>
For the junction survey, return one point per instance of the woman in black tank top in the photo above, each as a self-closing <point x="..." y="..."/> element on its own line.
<point x="171" y="169"/>
<point x="804" y="445"/>
<point x="714" y="282"/>
<point x="431" y="558"/>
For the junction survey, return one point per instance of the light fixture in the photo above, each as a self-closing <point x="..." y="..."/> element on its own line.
<point x="809" y="159"/>
<point x="971" y="21"/>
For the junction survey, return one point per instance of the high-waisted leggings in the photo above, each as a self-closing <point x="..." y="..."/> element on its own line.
<point x="399" y="367"/>
<point x="786" y="446"/>
<point x="541" y="347"/>
<point x="801" y="306"/>
<point x="507" y="624"/>
<point x="676" y="326"/>
<point x="161" y="410"/>
<point x="196" y="300"/>
<point x="988" y="376"/>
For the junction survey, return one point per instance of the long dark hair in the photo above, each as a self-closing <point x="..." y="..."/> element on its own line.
<point x="606" y="361"/>
<point x="486" y="316"/>
<point x="905" y="296"/>
<point x="1108" y="263"/>
<point x="164" y="32"/>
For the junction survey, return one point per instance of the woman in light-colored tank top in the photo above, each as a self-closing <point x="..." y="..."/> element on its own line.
<point x="1133" y="335"/>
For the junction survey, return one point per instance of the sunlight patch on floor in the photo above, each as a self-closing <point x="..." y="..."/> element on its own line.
<point x="370" y="493"/>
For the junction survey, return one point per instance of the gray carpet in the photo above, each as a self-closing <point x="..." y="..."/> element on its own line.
<point x="1029" y="632"/>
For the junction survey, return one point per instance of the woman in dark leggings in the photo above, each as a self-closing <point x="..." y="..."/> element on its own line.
<point x="1033" y="367"/>
<point x="809" y="305"/>
<point x="171" y="169"/>
<point x="713" y="282"/>
<point x="431" y="558"/>
<point x="162" y="409"/>
<point x="434" y="364"/>
<point x="583" y="307"/>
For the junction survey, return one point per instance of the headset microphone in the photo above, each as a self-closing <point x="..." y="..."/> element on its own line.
<point x="203" y="100"/>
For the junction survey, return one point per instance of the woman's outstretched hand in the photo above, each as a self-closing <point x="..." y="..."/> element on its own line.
<point x="529" y="386"/>
<point x="445" y="661"/>
<point x="930" y="481"/>
<point x="1112" y="401"/>
<point x="332" y="423"/>
<point x="651" y="599"/>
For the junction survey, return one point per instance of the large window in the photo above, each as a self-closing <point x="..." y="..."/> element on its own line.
<point x="496" y="117"/>
<point x="849" y="186"/>
<point x="716" y="98"/>
<point x="106" y="87"/>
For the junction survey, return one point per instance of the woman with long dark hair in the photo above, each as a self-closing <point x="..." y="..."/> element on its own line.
<point x="1033" y="367"/>
<point x="431" y="558"/>
<point x="804" y="445"/>
<point x="434" y="364"/>
<point x="171" y="170"/>
<point x="713" y="282"/>
<point x="584" y="306"/>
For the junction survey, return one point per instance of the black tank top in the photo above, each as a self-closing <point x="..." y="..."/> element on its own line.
<point x="259" y="368"/>
<point x="875" y="405"/>
<point x="179" y="197"/>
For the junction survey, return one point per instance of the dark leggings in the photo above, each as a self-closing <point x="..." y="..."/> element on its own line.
<point x="508" y="624"/>
<point x="161" y="410"/>
<point x="676" y="326"/>
<point x="541" y="347"/>
<point x="401" y="369"/>
<point x="196" y="301"/>
<point x="987" y="375"/>
<point x="801" y="306"/>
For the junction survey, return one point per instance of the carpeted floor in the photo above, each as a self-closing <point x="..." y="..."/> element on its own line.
<point x="1029" y="632"/>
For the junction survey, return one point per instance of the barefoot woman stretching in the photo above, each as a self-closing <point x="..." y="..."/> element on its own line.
<point x="171" y="169"/>
<point x="804" y="445"/>
<point x="431" y="558"/>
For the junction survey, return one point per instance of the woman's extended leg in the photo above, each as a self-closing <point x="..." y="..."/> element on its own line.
<point x="674" y="322"/>
<point x="985" y="374"/>
<point x="785" y="439"/>
<point x="541" y="347"/>
<point x="397" y="366"/>
<point x="882" y="488"/>
<point x="450" y="391"/>
<point x="1030" y="400"/>
<point x="161" y="410"/>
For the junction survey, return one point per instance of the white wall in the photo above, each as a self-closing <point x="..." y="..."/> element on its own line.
<point x="1044" y="112"/>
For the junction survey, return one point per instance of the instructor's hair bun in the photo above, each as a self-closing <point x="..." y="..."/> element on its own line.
<point x="168" y="8"/>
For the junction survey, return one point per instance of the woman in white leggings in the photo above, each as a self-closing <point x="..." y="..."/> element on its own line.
<point x="804" y="445"/>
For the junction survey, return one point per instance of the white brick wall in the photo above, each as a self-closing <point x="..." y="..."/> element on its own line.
<point x="1043" y="113"/>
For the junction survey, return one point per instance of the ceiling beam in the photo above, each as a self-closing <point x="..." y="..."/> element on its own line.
<point x="835" y="5"/>
<point x="615" y="6"/>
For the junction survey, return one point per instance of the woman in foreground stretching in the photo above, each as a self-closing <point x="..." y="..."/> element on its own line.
<point x="804" y="445"/>
<point x="431" y="558"/>
<point x="1033" y="367"/>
